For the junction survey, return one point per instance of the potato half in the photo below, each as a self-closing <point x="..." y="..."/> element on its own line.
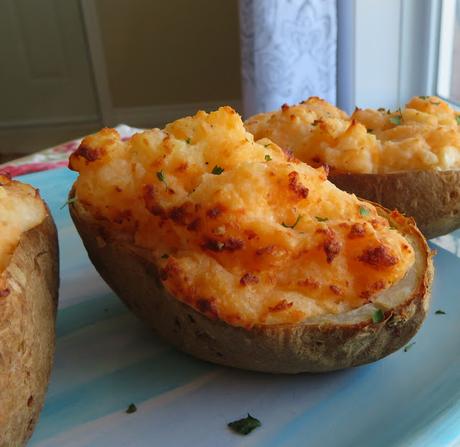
<point x="28" y="304"/>
<point x="430" y="197"/>
<point x="324" y="343"/>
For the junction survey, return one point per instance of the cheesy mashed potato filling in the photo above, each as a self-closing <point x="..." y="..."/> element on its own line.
<point x="21" y="209"/>
<point x="423" y="135"/>
<point x="238" y="229"/>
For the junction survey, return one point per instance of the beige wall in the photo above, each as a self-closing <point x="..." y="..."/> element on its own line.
<point x="170" y="52"/>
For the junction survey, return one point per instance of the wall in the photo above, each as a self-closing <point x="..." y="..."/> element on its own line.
<point x="170" y="52"/>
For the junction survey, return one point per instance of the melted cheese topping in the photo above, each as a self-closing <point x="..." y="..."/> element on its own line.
<point x="239" y="229"/>
<point x="21" y="209"/>
<point x="423" y="135"/>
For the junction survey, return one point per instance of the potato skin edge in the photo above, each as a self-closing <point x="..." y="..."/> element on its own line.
<point x="292" y="348"/>
<point x="27" y="331"/>
<point x="432" y="198"/>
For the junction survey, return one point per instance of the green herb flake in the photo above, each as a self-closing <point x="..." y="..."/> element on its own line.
<point x="267" y="145"/>
<point x="294" y="224"/>
<point x="396" y="120"/>
<point x="457" y="117"/>
<point x="321" y="219"/>
<point x="363" y="211"/>
<point x="382" y="109"/>
<point x="409" y="346"/>
<point x="377" y="316"/>
<point x="435" y="103"/>
<point x="370" y="130"/>
<point x="188" y="140"/>
<point x="440" y="312"/>
<point x="268" y="158"/>
<point x="68" y="202"/>
<point x="217" y="170"/>
<point x="131" y="409"/>
<point x="161" y="177"/>
<point x="424" y="97"/>
<point x="244" y="426"/>
<point x="165" y="256"/>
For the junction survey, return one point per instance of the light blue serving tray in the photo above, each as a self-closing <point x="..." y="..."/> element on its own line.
<point x="106" y="359"/>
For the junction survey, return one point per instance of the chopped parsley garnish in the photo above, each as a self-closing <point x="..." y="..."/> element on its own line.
<point x="68" y="202"/>
<point x="131" y="409"/>
<point x="370" y="130"/>
<point x="245" y="426"/>
<point x="396" y="120"/>
<point x="458" y="119"/>
<point x="435" y="103"/>
<point x="382" y="109"/>
<point x="409" y="346"/>
<point x="363" y="211"/>
<point x="165" y="256"/>
<point x="217" y="170"/>
<point x="267" y="145"/>
<point x="268" y="158"/>
<point x="188" y="140"/>
<point x="377" y="316"/>
<point x="161" y="177"/>
<point x="440" y="312"/>
<point x="423" y="97"/>
<point x="321" y="219"/>
<point x="294" y="224"/>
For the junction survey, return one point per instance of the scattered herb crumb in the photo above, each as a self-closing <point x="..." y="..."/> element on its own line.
<point x="217" y="170"/>
<point x="440" y="312"/>
<point x="294" y="224"/>
<point x="131" y="409"/>
<point x="268" y="158"/>
<point x="435" y="103"/>
<point x="161" y="177"/>
<point x="396" y="120"/>
<point x="423" y="97"/>
<point x="68" y="202"/>
<point x="188" y="140"/>
<point x="378" y="316"/>
<point x="363" y="211"/>
<point x="409" y="346"/>
<point x="245" y="426"/>
<point x="267" y="145"/>
<point x="458" y="119"/>
<point x="370" y="130"/>
<point x="321" y="219"/>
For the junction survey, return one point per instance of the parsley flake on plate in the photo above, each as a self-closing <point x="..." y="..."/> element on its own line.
<point x="245" y="426"/>
<point x="440" y="312"/>
<point x="267" y="157"/>
<point x="131" y="409"/>
<point x="409" y="346"/>
<point x="396" y="120"/>
<point x="321" y="219"/>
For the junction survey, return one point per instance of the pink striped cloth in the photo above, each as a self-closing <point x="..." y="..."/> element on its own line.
<point x="53" y="157"/>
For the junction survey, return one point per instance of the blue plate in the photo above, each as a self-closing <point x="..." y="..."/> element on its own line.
<point x="106" y="360"/>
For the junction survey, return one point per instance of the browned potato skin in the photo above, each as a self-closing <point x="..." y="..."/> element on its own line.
<point x="27" y="332"/>
<point x="290" y="348"/>
<point x="432" y="198"/>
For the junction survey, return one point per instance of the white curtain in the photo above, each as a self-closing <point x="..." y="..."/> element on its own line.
<point x="288" y="52"/>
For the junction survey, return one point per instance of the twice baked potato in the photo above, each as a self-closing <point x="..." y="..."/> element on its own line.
<point x="28" y="298"/>
<point x="408" y="159"/>
<point x="242" y="255"/>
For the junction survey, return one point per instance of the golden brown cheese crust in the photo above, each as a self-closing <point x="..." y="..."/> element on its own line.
<point x="422" y="136"/>
<point x="239" y="229"/>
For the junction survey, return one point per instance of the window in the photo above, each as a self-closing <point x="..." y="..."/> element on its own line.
<point x="448" y="82"/>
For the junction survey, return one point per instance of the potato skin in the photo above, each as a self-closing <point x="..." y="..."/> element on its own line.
<point x="432" y="198"/>
<point x="290" y="348"/>
<point x="27" y="331"/>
